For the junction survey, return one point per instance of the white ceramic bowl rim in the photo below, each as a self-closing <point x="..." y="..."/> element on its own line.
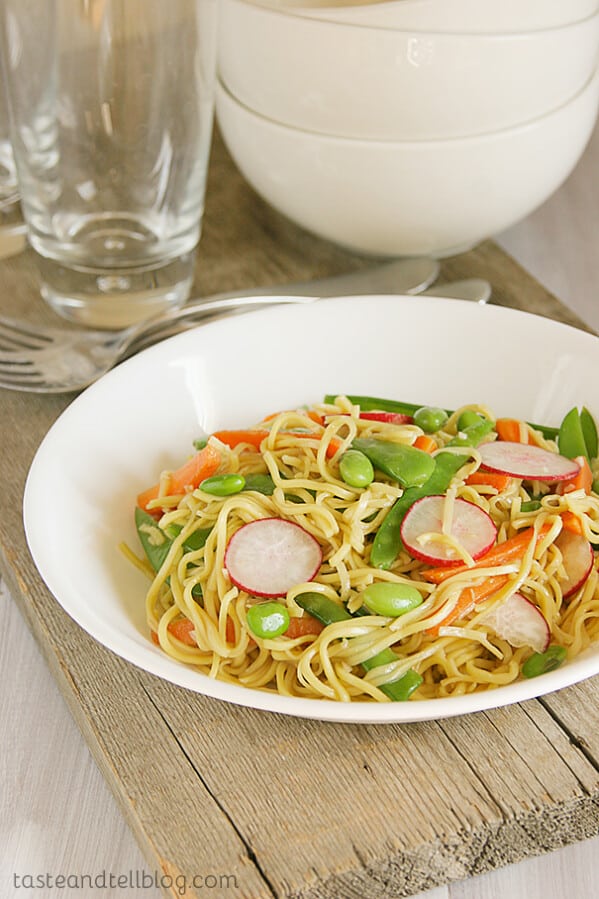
<point x="370" y="142"/>
<point x="292" y="12"/>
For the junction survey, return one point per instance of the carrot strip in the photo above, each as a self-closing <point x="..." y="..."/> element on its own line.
<point x="468" y="599"/>
<point x="501" y="554"/>
<point x="572" y="523"/>
<point x="426" y="443"/>
<point x="200" y="466"/>
<point x="182" y="629"/>
<point x="490" y="478"/>
<point x="509" y="429"/>
<point x="255" y="438"/>
<point x="581" y="481"/>
<point x="299" y="627"/>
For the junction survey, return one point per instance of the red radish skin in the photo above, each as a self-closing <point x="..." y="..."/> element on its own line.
<point x="471" y="527"/>
<point x="521" y="460"/>
<point x="391" y="418"/>
<point x="520" y="622"/>
<point x="578" y="561"/>
<point x="269" y="556"/>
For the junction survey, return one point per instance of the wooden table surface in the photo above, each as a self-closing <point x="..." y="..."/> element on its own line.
<point x="58" y="815"/>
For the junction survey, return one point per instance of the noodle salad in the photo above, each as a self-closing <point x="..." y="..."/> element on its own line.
<point x="363" y="549"/>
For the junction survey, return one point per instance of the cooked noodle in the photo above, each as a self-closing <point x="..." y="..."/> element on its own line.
<point x="302" y="458"/>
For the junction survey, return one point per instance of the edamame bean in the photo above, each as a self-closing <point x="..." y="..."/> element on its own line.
<point x="542" y="662"/>
<point x="391" y="599"/>
<point x="356" y="469"/>
<point x="223" y="484"/>
<point x="430" y="418"/>
<point x="268" y="619"/>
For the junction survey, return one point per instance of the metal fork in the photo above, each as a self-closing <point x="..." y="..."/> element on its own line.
<point x="57" y="360"/>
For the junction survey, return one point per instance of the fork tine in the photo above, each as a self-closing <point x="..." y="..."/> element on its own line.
<point x="19" y="334"/>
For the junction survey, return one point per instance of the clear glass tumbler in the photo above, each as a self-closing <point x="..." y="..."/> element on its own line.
<point x="112" y="105"/>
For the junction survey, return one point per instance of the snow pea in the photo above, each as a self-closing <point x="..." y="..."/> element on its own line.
<point x="542" y="662"/>
<point x="578" y="435"/>
<point x="407" y="465"/>
<point x="387" y="542"/>
<point x="155" y="548"/>
<point x="328" y="612"/>
<point x="473" y="433"/>
<point x="260" y="483"/>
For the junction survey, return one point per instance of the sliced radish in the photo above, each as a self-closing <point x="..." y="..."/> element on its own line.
<point x="520" y="622"/>
<point x="391" y="418"/>
<point x="471" y="527"/>
<point x="269" y="556"/>
<point x="521" y="460"/>
<point x="578" y="560"/>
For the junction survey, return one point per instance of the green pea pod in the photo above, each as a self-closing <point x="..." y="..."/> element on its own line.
<point x="328" y="612"/>
<point x="589" y="431"/>
<point x="154" y="541"/>
<point x="407" y="465"/>
<point x="570" y="439"/>
<point x="543" y="662"/>
<point x="473" y="433"/>
<point x="377" y="403"/>
<point x="531" y="506"/>
<point x="387" y="542"/>
<point x="260" y="483"/>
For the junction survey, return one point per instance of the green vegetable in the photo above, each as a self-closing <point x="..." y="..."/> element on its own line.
<point x="542" y="662"/>
<point x="430" y="418"/>
<point x="200" y="443"/>
<point x="387" y="541"/>
<point x="531" y="506"/>
<point x="356" y="468"/>
<point x="391" y="599"/>
<point x="473" y="433"/>
<point x="223" y="484"/>
<point x="268" y="619"/>
<point x="260" y="483"/>
<point x="578" y="435"/>
<point x="467" y="418"/>
<point x="328" y="612"/>
<point x="154" y="541"/>
<point x="407" y="465"/>
<point x="373" y="402"/>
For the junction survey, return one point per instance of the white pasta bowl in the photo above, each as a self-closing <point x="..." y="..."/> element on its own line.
<point x="363" y="82"/>
<point x="452" y="16"/>
<point x="408" y="198"/>
<point x="229" y="373"/>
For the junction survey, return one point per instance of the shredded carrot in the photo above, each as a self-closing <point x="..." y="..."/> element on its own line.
<point x="200" y="466"/>
<point x="426" y="443"/>
<point x="468" y="599"/>
<point x="499" y="481"/>
<point x="572" y="523"/>
<point x="154" y="637"/>
<point x="255" y="438"/>
<point x="183" y="630"/>
<point x="501" y="554"/>
<point x="299" y="627"/>
<point x="583" y="480"/>
<point x="509" y="429"/>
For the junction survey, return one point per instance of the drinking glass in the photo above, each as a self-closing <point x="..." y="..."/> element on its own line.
<point x="112" y="105"/>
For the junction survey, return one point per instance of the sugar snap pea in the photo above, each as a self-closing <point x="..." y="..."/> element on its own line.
<point x="542" y="662"/>
<point x="156" y="543"/>
<point x="409" y="466"/>
<point x="578" y="435"/>
<point x="328" y="612"/>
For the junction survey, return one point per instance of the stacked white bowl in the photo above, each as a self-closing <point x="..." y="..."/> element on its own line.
<point x="407" y="127"/>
